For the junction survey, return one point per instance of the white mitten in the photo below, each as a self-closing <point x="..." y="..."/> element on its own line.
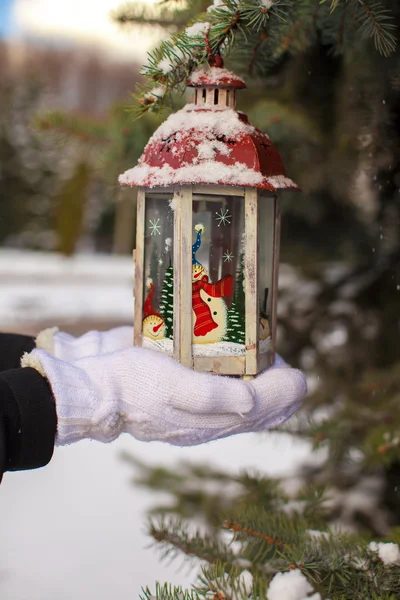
<point x="70" y="348"/>
<point x="153" y="397"/>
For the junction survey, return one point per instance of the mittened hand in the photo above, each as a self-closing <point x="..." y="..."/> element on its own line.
<point x="70" y="348"/>
<point x="153" y="397"/>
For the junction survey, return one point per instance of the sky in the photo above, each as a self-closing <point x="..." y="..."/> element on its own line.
<point x="5" y="17"/>
<point x="85" y="22"/>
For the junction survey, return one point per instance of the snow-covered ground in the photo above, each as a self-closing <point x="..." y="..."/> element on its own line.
<point x="40" y="287"/>
<point x="74" y="530"/>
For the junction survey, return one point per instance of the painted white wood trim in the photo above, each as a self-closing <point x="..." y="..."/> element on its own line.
<point x="222" y="97"/>
<point x="275" y="275"/>
<point x="219" y="190"/>
<point x="221" y="365"/>
<point x="186" y="277"/>
<point x="139" y="268"/>
<point x="251" y="280"/>
<point x="210" y="95"/>
<point x="183" y="325"/>
<point x="160" y="190"/>
<point x="177" y="275"/>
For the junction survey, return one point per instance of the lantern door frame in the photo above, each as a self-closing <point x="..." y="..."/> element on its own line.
<point x="252" y="362"/>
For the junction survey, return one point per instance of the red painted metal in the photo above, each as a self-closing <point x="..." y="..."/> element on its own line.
<point x="175" y="154"/>
<point x="255" y="150"/>
<point x="215" y="77"/>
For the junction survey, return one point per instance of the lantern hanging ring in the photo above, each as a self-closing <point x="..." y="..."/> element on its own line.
<point x="214" y="60"/>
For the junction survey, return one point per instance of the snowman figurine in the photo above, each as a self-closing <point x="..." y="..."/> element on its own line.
<point x="209" y="308"/>
<point x="153" y="323"/>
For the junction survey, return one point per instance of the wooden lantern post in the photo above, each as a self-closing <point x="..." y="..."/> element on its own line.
<point x="208" y="231"/>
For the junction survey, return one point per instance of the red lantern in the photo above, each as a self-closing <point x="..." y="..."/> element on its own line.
<point x="208" y="233"/>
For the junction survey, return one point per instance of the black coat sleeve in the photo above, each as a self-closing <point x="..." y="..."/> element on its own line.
<point x="12" y="347"/>
<point x="28" y="420"/>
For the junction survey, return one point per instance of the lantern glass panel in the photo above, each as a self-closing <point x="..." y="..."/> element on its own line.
<point x="218" y="275"/>
<point x="158" y="272"/>
<point x="266" y="221"/>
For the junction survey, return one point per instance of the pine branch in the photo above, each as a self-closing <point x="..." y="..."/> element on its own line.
<point x="173" y="538"/>
<point x="165" y="14"/>
<point x="168" y="592"/>
<point x="269" y="539"/>
<point x="262" y="539"/>
<point x="81" y="127"/>
<point x="376" y="22"/>
<point x="261" y="33"/>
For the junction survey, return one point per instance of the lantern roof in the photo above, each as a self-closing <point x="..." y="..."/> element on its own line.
<point x="209" y="142"/>
<point x="215" y="76"/>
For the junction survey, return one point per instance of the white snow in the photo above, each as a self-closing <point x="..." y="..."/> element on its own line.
<point x="245" y="582"/>
<point x="208" y="149"/>
<point x="198" y="29"/>
<point x="242" y="586"/>
<point x="216" y="4"/>
<point x="216" y="119"/>
<point x="318" y="535"/>
<point x="206" y="172"/>
<point x="215" y="75"/>
<point x="44" y="287"/>
<point x="165" y="65"/>
<point x="389" y="553"/>
<point x="198" y="128"/>
<point x="157" y="92"/>
<point x="173" y="203"/>
<point x="218" y="349"/>
<point x="280" y="181"/>
<point x="292" y="585"/>
<point x="165" y="345"/>
<point x="267" y="3"/>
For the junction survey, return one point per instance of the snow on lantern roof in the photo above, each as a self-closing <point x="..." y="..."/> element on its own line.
<point x="215" y="76"/>
<point x="209" y="143"/>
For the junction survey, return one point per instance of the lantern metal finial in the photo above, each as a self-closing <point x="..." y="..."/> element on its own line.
<point x="215" y="86"/>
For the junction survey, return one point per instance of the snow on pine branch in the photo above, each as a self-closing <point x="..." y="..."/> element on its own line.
<point x="292" y="585"/>
<point x="281" y="26"/>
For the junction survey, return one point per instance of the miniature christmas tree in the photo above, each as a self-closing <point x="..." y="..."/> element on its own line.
<point x="236" y="313"/>
<point x="167" y="302"/>
<point x="235" y="331"/>
<point x="239" y="294"/>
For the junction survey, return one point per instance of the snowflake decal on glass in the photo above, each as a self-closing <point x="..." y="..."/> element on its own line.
<point x="155" y="228"/>
<point x="223" y="217"/>
<point x="160" y="261"/>
<point x="228" y="256"/>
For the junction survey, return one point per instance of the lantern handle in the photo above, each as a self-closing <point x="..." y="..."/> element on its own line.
<point x="214" y="60"/>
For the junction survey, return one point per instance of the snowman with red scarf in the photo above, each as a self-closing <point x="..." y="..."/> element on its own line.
<point x="209" y="308"/>
<point x="153" y="323"/>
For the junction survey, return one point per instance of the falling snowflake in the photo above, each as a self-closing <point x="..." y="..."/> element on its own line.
<point x="228" y="256"/>
<point x="155" y="228"/>
<point x="223" y="217"/>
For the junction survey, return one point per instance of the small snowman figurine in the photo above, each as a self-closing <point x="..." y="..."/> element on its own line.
<point x="209" y="308"/>
<point x="153" y="323"/>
